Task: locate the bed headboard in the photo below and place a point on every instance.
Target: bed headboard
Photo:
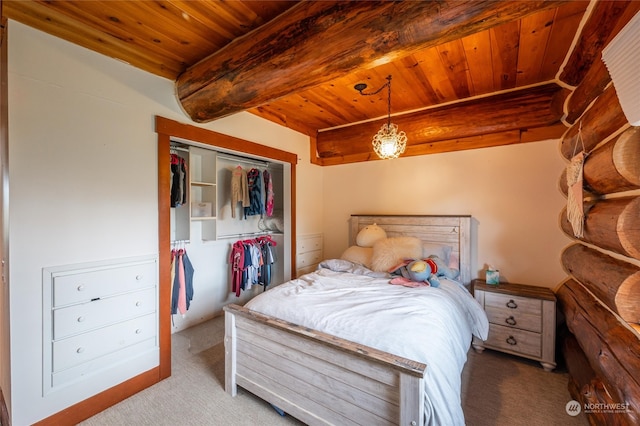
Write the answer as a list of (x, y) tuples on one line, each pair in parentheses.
[(454, 231)]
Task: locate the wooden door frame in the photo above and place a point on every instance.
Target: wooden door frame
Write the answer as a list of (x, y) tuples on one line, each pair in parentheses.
[(167, 129)]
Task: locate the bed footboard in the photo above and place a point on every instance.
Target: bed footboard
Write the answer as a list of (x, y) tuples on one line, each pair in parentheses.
[(319, 378)]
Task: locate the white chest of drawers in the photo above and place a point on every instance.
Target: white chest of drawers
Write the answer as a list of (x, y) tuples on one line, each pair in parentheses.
[(308, 253), (522, 320), (99, 319)]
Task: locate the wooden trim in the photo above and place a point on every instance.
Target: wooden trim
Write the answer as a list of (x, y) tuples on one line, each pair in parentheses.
[(528, 291), (164, 245), (99, 402), (4, 411), (313, 151), (198, 134)]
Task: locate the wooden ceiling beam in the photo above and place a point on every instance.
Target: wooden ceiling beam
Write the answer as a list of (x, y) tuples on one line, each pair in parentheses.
[(476, 121), (315, 42)]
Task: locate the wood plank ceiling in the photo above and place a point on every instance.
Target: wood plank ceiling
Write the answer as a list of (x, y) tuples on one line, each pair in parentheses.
[(486, 76)]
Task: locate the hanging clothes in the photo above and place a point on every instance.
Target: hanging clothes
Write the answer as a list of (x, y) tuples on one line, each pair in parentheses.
[(251, 262), (236, 260), (239, 189), (182, 282), (268, 259), (178, 181), (254, 183), (268, 193)]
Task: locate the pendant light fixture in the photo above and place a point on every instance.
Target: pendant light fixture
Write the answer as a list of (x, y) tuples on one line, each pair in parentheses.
[(388, 142)]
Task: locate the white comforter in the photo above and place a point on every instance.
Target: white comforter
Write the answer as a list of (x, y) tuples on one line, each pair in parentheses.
[(426, 324)]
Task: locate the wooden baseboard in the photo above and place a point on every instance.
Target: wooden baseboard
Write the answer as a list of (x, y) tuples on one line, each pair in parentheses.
[(97, 403), (4, 411)]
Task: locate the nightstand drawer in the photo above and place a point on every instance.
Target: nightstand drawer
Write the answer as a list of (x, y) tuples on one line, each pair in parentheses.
[(514, 318), (513, 303), (514, 340)]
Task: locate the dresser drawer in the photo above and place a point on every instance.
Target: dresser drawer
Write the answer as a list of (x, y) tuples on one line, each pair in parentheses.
[(87, 346), (514, 340), (513, 303), (310, 258), (515, 318), (98, 313), (84, 286), (309, 243)]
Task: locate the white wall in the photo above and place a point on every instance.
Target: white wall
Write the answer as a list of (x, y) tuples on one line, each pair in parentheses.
[(510, 191), (83, 180)]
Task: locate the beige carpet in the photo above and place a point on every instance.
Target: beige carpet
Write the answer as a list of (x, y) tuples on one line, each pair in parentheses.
[(497, 390)]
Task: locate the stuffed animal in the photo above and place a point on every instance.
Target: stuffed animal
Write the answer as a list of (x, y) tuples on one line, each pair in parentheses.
[(423, 271), (362, 253), (443, 270), (368, 235)]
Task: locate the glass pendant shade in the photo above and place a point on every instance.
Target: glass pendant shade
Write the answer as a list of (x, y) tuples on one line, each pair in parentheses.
[(388, 142)]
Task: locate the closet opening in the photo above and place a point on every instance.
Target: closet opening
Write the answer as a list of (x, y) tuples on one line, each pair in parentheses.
[(198, 214)]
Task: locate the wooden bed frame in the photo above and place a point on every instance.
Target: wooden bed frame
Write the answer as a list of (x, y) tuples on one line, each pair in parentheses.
[(323, 379)]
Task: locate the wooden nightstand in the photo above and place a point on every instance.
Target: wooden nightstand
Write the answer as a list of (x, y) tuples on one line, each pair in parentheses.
[(522, 320)]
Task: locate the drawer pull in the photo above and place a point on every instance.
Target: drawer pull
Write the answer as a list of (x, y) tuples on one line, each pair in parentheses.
[(139, 277), (80, 319), (511, 340), (138, 303), (138, 331), (511, 320), (511, 304), (81, 287), (80, 350)]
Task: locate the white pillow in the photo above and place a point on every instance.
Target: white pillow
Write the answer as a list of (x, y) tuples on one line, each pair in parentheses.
[(359, 255), (389, 252), (443, 251)]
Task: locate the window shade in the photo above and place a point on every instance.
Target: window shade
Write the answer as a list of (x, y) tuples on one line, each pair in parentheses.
[(622, 59)]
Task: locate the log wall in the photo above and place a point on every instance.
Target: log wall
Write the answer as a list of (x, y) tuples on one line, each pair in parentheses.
[(601, 297)]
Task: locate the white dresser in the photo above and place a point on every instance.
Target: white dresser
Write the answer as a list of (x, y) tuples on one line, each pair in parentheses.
[(98, 317), (308, 253)]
